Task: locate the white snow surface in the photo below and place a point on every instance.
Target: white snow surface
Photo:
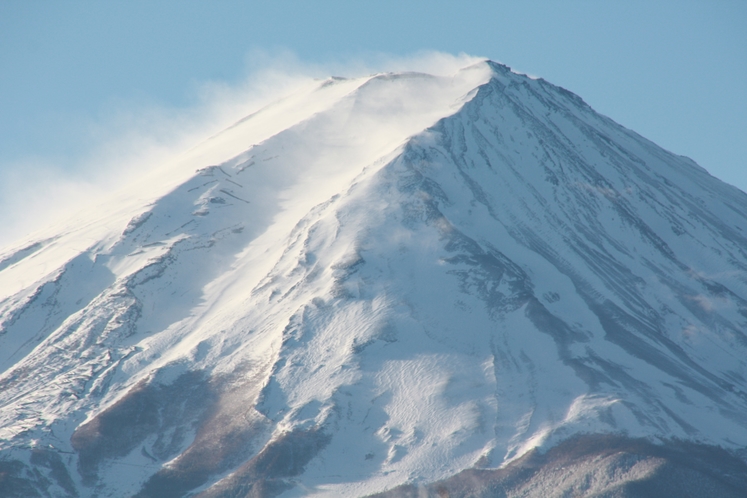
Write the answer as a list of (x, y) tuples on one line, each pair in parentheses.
[(431, 272)]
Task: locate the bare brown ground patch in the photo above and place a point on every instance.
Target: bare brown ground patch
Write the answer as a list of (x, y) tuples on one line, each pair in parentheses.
[(600, 466)]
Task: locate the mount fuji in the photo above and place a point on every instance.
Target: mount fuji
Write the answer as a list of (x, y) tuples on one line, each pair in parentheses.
[(397, 285)]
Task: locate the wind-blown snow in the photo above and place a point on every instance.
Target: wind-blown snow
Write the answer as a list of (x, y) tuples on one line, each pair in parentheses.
[(400, 277)]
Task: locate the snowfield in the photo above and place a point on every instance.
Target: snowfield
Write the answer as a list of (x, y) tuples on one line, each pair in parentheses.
[(378, 282)]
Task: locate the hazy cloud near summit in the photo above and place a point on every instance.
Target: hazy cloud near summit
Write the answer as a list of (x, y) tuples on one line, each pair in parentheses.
[(133, 138)]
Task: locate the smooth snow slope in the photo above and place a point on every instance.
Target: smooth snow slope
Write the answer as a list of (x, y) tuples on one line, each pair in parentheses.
[(374, 282)]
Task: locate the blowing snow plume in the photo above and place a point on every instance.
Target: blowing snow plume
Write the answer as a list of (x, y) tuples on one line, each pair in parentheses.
[(402, 283), (132, 139)]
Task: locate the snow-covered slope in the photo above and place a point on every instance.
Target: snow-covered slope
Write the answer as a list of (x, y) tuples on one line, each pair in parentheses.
[(375, 282)]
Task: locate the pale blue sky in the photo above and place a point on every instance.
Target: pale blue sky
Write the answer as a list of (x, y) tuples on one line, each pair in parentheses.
[(673, 70)]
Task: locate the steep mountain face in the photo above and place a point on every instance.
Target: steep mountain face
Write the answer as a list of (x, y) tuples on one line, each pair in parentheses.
[(380, 283)]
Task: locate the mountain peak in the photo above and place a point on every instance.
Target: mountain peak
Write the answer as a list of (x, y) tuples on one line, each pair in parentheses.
[(394, 279)]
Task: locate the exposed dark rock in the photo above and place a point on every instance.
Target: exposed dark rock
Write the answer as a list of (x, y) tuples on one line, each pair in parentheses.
[(56, 469), (149, 408), (16, 481), (264, 475)]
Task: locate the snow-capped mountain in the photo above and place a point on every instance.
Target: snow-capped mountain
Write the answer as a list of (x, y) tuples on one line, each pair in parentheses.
[(378, 283)]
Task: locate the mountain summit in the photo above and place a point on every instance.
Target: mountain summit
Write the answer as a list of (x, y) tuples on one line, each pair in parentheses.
[(395, 284)]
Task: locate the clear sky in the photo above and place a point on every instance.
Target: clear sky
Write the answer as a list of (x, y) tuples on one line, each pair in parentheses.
[(73, 74)]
